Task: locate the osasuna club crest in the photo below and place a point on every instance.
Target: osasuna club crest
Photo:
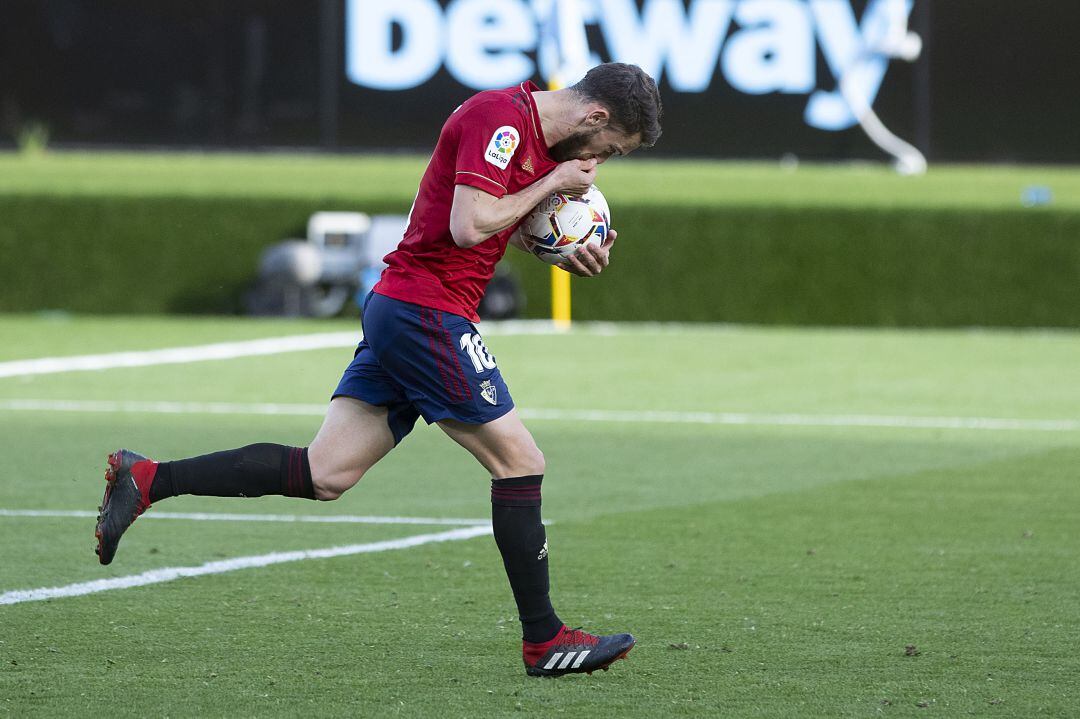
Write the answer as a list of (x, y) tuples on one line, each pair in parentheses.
[(489, 392)]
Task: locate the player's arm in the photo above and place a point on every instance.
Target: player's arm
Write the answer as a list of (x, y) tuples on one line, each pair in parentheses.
[(477, 215), (516, 240)]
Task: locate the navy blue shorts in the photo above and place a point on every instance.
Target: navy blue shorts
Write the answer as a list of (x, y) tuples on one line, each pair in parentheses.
[(420, 362)]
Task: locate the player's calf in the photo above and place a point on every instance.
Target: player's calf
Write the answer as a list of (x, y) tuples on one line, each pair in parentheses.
[(134, 483)]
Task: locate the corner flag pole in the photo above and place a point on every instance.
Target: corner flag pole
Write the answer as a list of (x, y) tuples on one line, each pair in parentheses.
[(565, 55), (560, 298), (560, 278)]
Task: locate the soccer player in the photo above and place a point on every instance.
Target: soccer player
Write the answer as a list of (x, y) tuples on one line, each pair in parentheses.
[(499, 154)]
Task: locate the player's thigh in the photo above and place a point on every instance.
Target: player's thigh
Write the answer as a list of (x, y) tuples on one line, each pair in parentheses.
[(503, 446), (353, 437)]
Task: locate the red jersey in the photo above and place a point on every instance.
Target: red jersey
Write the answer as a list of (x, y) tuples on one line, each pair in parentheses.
[(493, 142)]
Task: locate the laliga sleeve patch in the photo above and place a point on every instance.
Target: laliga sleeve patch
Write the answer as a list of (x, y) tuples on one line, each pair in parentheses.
[(501, 148)]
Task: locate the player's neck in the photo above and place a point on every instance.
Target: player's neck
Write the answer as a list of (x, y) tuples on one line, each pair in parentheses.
[(558, 114)]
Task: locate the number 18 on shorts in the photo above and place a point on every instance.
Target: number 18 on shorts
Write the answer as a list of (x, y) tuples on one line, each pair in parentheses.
[(422, 362)]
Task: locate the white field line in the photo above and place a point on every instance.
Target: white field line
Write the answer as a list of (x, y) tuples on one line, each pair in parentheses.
[(248, 348), (123, 407), (807, 420), (168, 574), (232, 517), (574, 415), (180, 355)]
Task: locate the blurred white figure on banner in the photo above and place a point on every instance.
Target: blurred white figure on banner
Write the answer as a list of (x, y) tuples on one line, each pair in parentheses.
[(563, 53), (885, 36)]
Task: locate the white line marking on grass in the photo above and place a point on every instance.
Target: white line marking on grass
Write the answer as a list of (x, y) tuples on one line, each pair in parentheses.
[(574, 415), (180, 355), (168, 574), (232, 517), (247, 348), (806, 420), (108, 407)]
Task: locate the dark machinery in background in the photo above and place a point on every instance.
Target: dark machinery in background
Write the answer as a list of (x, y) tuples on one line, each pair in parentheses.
[(338, 264)]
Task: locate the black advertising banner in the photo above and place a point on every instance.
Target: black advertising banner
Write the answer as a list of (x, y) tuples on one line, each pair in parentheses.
[(995, 80), (740, 77)]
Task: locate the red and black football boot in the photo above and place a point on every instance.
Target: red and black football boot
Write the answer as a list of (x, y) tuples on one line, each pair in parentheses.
[(573, 651), (127, 495)]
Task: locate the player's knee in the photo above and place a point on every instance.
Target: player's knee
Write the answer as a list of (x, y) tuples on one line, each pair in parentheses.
[(326, 494), (532, 462), (332, 486), (521, 462)]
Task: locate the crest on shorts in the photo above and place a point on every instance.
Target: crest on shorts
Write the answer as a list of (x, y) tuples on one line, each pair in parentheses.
[(489, 392)]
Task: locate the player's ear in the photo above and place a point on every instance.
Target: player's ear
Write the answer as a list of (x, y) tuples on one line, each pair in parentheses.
[(597, 116)]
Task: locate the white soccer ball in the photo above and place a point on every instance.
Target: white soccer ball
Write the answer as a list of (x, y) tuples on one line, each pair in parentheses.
[(561, 224)]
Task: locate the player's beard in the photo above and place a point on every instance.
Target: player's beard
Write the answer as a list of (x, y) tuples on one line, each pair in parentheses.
[(570, 148)]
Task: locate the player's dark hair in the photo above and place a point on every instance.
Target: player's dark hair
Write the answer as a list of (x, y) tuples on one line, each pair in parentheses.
[(629, 94)]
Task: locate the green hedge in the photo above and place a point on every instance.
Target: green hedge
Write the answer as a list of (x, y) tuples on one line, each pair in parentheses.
[(140, 255), (838, 267), (822, 266)]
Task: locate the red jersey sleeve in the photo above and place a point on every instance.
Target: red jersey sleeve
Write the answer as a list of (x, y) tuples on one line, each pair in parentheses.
[(489, 133)]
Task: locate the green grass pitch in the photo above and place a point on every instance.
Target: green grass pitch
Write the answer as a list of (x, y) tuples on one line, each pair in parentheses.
[(767, 569)]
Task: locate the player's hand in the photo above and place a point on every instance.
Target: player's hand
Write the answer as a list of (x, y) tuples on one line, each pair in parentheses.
[(590, 260), (574, 177)]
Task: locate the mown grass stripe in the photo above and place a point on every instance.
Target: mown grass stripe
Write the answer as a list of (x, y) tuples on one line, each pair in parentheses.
[(234, 517)]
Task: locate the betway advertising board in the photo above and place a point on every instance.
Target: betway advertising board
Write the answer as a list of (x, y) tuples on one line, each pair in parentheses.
[(739, 77)]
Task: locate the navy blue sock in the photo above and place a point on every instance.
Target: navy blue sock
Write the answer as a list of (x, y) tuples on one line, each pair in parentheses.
[(519, 533), (251, 471)]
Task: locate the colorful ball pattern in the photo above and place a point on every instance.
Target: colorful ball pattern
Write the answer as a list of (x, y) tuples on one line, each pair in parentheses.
[(561, 224)]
